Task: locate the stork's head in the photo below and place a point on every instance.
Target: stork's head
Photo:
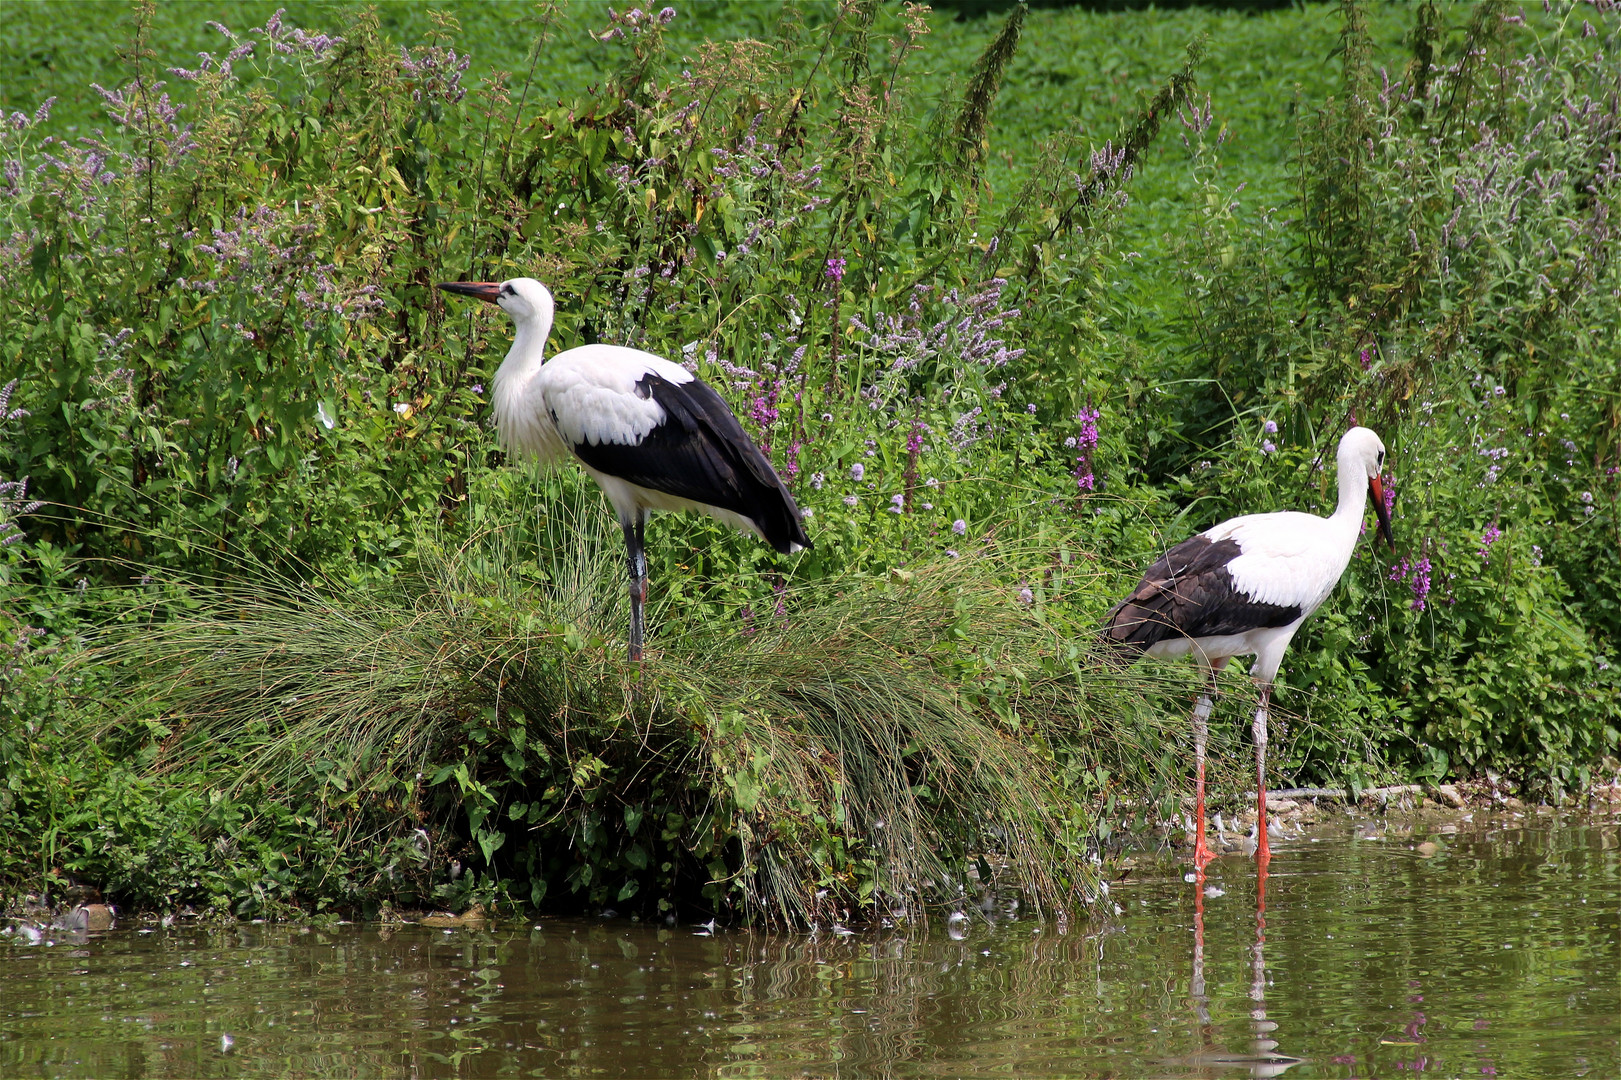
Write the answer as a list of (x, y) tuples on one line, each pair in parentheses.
[(525, 299), (1362, 452)]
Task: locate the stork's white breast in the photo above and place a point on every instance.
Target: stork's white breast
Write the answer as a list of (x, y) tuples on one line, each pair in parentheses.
[(590, 393)]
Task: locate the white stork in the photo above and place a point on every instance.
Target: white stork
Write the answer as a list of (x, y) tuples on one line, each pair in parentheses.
[(1243, 588), (651, 433)]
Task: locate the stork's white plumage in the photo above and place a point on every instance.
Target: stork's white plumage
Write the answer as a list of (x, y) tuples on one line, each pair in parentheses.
[(651, 433), (1242, 589)]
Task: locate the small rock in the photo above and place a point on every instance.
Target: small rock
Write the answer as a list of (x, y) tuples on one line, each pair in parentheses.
[(473, 917), (1450, 795), (1428, 849), (1276, 805), (98, 917)]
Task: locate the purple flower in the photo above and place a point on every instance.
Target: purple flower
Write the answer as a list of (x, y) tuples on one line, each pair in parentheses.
[(1085, 442), (1271, 427), (959, 526), (1488, 538), (850, 500), (1267, 447), (1026, 596), (857, 471), (897, 504), (1420, 583), (478, 388), (834, 271)]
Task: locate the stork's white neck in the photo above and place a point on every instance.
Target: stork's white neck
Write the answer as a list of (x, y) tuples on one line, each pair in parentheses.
[(1353, 501), (528, 351)]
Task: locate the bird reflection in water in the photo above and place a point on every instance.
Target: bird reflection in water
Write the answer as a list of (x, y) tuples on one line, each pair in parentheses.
[(1262, 1059)]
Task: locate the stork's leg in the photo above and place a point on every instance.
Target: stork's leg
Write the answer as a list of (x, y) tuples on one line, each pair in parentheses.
[(636, 556), (1201, 741), (1263, 851)]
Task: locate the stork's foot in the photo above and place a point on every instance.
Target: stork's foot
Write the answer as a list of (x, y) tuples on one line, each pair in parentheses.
[(1202, 855)]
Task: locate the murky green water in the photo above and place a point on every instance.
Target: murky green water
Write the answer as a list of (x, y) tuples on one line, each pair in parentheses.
[(1498, 956)]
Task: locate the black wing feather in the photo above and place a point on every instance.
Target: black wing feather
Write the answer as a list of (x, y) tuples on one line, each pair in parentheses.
[(1190, 593), (700, 452)]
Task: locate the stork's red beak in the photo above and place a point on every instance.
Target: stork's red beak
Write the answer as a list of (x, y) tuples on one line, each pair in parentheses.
[(484, 290), (1377, 490)]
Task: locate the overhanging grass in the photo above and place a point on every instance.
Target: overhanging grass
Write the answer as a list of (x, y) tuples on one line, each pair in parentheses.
[(880, 745)]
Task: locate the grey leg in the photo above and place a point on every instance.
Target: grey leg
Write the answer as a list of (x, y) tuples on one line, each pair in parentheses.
[(636, 556)]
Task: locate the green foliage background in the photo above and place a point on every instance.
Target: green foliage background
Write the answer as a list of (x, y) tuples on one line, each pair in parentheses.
[(1014, 303)]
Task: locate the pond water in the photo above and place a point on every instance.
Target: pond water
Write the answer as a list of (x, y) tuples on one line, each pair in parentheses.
[(1496, 954)]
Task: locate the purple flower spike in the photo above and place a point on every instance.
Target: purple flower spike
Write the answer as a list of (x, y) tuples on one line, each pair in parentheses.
[(834, 271)]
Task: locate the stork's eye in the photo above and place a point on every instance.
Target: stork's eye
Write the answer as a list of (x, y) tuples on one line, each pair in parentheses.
[(508, 290), (1381, 457)]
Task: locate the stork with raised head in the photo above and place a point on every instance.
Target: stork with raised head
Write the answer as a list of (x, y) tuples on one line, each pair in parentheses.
[(1242, 589), (650, 432)]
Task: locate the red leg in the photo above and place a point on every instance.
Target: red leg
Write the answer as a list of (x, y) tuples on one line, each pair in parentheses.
[(1201, 737)]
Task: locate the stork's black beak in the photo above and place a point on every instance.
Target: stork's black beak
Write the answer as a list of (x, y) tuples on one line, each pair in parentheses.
[(488, 291), (1377, 490)]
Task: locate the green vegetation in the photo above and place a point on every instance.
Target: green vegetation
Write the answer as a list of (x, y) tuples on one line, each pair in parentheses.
[(1011, 303)]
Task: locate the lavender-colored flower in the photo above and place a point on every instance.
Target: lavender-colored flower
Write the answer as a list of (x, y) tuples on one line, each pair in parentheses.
[(1026, 596), (1270, 427), (897, 504), (478, 388), (834, 270), (1268, 447), (959, 526), (850, 500), (857, 471), (1488, 538)]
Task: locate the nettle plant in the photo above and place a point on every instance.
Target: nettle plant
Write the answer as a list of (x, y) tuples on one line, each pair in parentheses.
[(200, 299)]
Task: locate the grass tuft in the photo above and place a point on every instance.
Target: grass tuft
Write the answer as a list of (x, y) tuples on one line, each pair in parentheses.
[(880, 745)]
